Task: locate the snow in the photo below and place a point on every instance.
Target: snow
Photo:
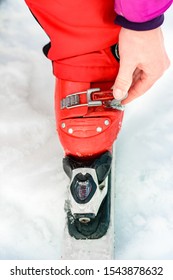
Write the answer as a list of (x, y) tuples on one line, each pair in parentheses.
[(32, 182)]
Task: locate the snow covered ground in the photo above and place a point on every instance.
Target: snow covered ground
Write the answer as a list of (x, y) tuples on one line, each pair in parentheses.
[(32, 182)]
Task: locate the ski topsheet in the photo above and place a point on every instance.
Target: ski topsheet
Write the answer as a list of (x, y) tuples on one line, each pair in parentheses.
[(100, 249)]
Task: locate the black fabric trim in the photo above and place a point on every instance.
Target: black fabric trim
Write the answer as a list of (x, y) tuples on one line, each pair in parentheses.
[(46, 49), (140, 26)]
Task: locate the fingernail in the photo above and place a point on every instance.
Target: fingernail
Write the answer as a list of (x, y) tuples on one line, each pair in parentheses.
[(119, 94)]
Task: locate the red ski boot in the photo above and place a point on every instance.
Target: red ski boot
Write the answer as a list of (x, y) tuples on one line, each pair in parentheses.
[(88, 121)]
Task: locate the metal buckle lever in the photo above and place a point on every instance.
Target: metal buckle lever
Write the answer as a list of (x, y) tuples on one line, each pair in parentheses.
[(93, 103), (116, 104)]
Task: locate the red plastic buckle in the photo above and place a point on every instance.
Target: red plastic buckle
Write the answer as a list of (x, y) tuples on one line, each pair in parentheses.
[(102, 95)]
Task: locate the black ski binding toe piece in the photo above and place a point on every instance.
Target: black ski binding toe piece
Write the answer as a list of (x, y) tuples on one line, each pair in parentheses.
[(89, 203)]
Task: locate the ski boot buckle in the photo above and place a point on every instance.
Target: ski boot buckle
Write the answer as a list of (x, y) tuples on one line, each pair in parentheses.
[(94, 98)]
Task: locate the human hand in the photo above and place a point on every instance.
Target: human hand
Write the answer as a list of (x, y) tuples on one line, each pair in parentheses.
[(143, 60)]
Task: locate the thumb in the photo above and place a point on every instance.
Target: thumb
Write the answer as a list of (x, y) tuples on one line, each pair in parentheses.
[(123, 81)]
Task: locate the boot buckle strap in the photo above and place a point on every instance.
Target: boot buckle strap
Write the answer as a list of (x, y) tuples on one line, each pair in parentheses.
[(73, 100), (94, 98)]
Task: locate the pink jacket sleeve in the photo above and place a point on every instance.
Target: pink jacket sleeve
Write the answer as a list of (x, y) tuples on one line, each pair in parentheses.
[(141, 10)]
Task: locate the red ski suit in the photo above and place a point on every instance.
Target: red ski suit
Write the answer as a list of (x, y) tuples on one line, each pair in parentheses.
[(81, 36)]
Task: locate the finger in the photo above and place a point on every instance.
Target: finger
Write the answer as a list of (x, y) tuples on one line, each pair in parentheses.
[(136, 76), (123, 81), (142, 84)]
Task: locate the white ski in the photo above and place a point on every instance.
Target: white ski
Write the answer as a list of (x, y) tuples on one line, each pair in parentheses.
[(95, 249)]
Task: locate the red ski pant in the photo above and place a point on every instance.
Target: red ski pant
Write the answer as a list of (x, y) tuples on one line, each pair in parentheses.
[(81, 35)]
